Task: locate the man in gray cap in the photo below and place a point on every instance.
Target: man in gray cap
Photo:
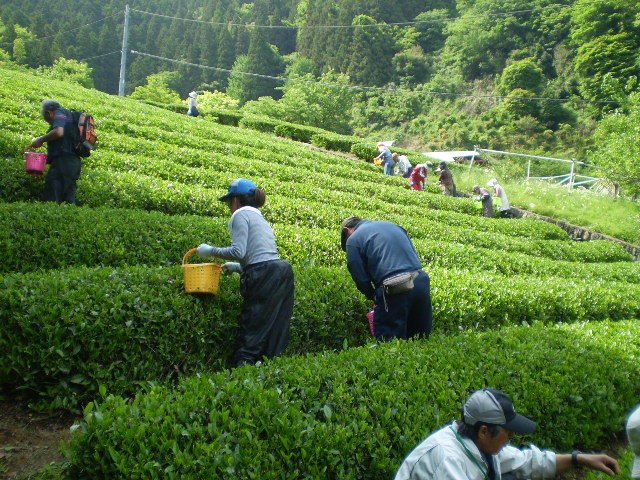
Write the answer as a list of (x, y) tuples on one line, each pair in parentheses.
[(476, 447), (633, 434)]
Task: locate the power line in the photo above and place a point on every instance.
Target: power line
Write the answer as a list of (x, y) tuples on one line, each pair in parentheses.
[(74, 29), (380, 89), (415, 22), (98, 56)]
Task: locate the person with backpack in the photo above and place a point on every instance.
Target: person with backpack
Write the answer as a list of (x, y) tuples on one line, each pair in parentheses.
[(65, 164), (266, 281)]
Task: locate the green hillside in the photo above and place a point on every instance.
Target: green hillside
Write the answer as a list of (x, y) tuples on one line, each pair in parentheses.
[(93, 312)]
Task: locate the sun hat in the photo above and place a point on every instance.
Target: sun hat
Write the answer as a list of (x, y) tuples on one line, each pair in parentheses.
[(494, 407), (492, 183), (633, 434), (240, 186), (348, 223), (193, 94)]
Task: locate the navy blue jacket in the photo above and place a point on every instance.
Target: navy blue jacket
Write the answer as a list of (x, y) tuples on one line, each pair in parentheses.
[(64, 145), (377, 250)]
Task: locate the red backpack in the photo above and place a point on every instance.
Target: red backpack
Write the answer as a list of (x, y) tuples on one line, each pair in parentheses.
[(84, 137)]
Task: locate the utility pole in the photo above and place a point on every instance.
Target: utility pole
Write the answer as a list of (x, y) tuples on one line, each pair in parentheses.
[(123, 57)]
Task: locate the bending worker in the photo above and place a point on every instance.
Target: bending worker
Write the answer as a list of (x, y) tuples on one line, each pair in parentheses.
[(385, 266)]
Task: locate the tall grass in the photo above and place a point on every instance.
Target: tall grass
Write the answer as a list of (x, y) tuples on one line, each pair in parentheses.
[(617, 217)]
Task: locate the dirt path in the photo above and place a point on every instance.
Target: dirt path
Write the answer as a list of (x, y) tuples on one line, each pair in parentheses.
[(30, 440)]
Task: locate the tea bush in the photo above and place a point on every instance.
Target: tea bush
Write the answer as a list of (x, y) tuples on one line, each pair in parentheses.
[(99, 301), (261, 124), (364, 151), (47, 236), (295, 132), (337, 143), (357, 413), (65, 332)]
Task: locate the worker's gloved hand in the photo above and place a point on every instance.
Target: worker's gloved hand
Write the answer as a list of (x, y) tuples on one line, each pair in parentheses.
[(231, 267), (204, 250)]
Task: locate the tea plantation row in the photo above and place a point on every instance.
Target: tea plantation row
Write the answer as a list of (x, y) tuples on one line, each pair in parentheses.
[(357, 413), (65, 332), (47, 236), (128, 190)]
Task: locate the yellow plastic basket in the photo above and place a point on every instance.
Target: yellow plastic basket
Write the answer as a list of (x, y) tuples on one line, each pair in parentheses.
[(201, 277)]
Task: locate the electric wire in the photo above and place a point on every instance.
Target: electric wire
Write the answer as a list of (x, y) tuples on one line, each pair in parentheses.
[(98, 56), (380, 89), (409, 23), (76, 28)]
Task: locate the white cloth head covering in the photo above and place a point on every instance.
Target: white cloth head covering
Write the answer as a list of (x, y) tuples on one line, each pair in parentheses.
[(633, 434)]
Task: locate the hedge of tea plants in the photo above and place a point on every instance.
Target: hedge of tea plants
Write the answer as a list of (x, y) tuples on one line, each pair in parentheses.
[(67, 331), (37, 236), (357, 413), (149, 193)]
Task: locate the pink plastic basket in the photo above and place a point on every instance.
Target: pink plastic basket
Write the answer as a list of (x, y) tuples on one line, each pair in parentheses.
[(36, 162)]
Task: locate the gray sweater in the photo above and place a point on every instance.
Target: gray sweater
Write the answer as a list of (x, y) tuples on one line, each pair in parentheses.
[(252, 239)]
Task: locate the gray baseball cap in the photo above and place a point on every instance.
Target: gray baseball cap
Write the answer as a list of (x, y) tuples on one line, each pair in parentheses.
[(494, 407), (633, 434)]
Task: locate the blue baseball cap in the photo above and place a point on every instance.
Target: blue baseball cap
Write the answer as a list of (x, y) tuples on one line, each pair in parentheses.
[(240, 186)]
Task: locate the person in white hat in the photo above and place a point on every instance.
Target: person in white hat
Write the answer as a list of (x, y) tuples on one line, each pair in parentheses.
[(633, 434), (505, 206), (193, 104), (476, 447)]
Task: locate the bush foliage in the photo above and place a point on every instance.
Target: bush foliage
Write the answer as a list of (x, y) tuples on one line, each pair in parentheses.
[(314, 419), (92, 301)]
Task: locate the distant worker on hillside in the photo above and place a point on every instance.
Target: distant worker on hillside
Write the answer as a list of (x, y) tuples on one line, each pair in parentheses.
[(505, 206), (65, 165), (476, 447), (266, 281), (193, 104), (446, 180), (485, 197), (386, 158), (404, 165), (386, 268), (418, 177)]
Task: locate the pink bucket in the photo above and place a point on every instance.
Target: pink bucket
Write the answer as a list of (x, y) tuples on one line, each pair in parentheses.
[(370, 318), (36, 162)]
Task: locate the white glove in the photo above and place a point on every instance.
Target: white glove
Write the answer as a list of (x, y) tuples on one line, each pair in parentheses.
[(232, 267), (204, 250)]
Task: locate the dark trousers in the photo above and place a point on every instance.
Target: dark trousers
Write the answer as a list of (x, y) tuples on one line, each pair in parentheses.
[(406, 314), (267, 289), (60, 184)]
